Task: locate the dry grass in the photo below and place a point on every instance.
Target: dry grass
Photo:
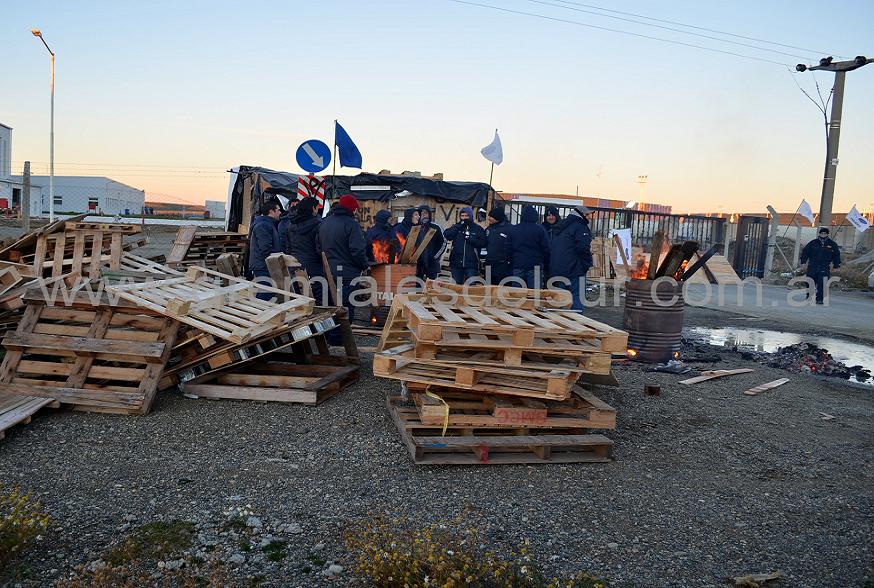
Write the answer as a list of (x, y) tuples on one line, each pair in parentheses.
[(22, 520)]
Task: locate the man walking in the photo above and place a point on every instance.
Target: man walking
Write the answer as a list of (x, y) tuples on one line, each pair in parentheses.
[(530, 248), (264, 241), (428, 265), (467, 239), (499, 247), (820, 255), (342, 241), (570, 255)]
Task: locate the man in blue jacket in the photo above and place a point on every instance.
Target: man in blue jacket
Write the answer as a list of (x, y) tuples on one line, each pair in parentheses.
[(530, 248), (302, 242), (467, 239), (821, 255), (551, 221), (570, 256), (342, 241), (428, 265), (264, 241), (499, 247), (410, 220), (382, 231)]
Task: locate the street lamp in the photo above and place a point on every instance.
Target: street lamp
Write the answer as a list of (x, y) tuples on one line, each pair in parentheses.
[(37, 33)]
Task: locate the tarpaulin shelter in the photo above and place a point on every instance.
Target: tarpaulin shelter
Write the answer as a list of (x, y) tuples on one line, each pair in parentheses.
[(249, 186)]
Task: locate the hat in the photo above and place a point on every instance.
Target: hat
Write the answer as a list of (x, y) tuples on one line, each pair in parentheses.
[(349, 202), (468, 210), (498, 214), (307, 206), (583, 209), (823, 230)]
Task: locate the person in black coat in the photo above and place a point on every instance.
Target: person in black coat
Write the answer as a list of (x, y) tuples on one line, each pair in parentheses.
[(570, 255), (382, 231), (821, 255), (264, 241), (530, 248), (551, 221), (403, 228), (499, 247), (428, 265), (467, 239), (342, 241), (301, 239)]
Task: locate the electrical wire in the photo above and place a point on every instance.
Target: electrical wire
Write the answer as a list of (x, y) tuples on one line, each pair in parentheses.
[(619, 31)]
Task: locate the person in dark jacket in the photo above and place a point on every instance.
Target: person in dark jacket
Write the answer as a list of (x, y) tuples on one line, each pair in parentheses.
[(382, 231), (428, 265), (264, 241), (570, 255), (282, 228), (342, 241), (551, 221), (499, 247), (530, 248), (403, 228), (467, 239), (821, 255), (302, 242)]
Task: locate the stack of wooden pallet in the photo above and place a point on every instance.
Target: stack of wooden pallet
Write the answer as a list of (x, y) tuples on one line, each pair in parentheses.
[(493, 376), (202, 248)]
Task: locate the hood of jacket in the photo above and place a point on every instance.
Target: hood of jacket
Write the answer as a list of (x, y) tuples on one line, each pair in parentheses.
[(305, 225), (553, 210), (408, 217), (382, 217), (529, 214), (262, 219)]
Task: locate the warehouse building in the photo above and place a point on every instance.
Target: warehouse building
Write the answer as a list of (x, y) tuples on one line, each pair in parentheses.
[(91, 194)]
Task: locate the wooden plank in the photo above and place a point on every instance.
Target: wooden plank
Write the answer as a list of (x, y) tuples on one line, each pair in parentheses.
[(709, 375), (767, 386), (654, 254), (83, 345), (181, 244)]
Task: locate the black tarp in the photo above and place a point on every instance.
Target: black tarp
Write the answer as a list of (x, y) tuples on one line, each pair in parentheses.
[(256, 182)]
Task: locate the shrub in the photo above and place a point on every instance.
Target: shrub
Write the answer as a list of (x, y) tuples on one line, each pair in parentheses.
[(397, 554), (21, 521)]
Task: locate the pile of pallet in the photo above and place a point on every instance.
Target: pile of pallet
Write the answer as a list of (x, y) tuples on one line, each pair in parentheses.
[(493, 376), (203, 248)]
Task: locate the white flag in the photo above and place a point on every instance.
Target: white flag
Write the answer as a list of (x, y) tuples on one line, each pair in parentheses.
[(805, 211), (860, 222), (493, 151)]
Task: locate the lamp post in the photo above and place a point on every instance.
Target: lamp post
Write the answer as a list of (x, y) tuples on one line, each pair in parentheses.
[(37, 33)]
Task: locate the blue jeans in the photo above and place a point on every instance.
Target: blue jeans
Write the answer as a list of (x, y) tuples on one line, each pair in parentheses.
[(461, 274), (531, 281), (577, 288)]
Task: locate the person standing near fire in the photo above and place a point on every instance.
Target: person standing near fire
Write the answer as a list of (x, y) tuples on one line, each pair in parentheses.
[(342, 241), (302, 242), (467, 239), (383, 234), (570, 255), (820, 255), (403, 228), (428, 265), (499, 247), (264, 241)]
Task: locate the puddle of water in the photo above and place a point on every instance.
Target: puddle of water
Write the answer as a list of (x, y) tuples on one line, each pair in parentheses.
[(767, 341)]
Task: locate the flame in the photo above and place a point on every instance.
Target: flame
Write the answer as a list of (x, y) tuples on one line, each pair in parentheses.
[(676, 354), (383, 251), (373, 319), (631, 352), (402, 239)]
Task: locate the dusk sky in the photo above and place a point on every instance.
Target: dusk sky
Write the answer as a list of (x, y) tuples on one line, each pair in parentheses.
[(166, 96)]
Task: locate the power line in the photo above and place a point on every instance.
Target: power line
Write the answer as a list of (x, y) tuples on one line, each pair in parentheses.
[(700, 28), (667, 28), (619, 31)]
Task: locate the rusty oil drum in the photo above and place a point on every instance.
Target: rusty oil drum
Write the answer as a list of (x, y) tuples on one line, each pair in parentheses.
[(654, 323)]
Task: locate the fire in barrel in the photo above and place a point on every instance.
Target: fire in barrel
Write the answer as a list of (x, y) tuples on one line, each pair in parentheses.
[(394, 270)]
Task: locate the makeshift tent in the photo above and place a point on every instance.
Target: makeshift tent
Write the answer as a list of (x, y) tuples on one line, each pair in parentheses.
[(250, 185)]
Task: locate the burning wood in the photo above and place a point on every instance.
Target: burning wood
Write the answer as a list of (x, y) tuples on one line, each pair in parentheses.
[(386, 250)]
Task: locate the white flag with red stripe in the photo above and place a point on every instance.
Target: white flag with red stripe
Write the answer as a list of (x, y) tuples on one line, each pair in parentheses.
[(311, 186)]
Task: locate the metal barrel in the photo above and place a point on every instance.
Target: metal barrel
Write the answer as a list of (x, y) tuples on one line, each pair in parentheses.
[(653, 319)]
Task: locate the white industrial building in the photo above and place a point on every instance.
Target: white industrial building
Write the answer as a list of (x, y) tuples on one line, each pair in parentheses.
[(10, 187), (94, 194)]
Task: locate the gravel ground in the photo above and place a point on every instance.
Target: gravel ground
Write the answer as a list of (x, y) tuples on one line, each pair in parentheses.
[(707, 483)]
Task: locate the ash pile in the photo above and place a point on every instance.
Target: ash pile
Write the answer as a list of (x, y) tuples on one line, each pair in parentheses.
[(807, 358)]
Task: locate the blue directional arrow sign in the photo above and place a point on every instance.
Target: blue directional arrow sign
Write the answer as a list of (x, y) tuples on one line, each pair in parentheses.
[(313, 156)]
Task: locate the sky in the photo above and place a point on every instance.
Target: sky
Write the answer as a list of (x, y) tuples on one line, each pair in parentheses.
[(167, 96)]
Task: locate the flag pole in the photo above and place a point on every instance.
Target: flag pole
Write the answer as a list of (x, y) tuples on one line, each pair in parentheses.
[(334, 168), (491, 203)]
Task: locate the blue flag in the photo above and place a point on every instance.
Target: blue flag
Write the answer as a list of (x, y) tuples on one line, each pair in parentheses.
[(350, 156)]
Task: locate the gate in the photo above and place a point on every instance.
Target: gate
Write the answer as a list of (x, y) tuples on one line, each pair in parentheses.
[(751, 247)]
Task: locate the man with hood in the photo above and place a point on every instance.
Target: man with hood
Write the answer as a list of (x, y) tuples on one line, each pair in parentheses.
[(499, 247), (551, 221), (342, 241), (467, 239), (301, 240), (429, 262), (570, 255), (820, 255), (403, 228), (530, 248), (381, 231), (264, 241)]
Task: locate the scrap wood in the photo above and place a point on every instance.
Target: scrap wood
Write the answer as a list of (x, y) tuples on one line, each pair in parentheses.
[(181, 244), (756, 580), (410, 244), (420, 248), (764, 387), (710, 375), (654, 254)]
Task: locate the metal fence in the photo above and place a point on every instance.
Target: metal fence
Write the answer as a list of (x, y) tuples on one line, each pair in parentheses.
[(707, 231)]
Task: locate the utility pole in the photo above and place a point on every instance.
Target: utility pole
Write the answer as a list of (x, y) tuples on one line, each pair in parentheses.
[(833, 130), (25, 198)]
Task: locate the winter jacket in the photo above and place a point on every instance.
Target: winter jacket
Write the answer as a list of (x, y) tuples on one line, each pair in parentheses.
[(429, 262), (818, 254), (499, 246), (530, 242), (380, 231), (467, 239), (551, 229), (282, 229), (302, 237), (570, 253), (263, 240), (404, 227), (342, 241)]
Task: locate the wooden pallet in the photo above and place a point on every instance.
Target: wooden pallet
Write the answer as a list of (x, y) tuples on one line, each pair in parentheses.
[(83, 250), (104, 359), (181, 244), (277, 381), (18, 410), (555, 385), (462, 409), (432, 322), (395, 331), (495, 446), (501, 296), (229, 312), (206, 247)]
